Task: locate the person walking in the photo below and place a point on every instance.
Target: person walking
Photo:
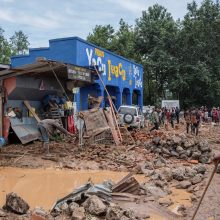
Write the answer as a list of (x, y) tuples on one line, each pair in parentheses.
[(187, 120), (177, 112), (155, 120), (172, 118)]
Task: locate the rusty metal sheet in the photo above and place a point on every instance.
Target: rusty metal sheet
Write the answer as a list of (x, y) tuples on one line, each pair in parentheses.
[(26, 130), (127, 185)]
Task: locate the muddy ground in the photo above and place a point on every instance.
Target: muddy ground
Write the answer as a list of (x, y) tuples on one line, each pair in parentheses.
[(69, 165)]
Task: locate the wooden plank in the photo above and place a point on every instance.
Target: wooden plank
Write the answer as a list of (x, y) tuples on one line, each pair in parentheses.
[(27, 104), (112, 127)]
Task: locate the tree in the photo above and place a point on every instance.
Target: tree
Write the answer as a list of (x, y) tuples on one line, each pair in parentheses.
[(19, 43), (123, 42), (198, 52), (102, 36), (155, 45), (5, 50)]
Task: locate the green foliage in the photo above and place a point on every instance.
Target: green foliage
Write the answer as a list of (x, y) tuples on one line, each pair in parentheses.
[(18, 44), (182, 57), (5, 51)]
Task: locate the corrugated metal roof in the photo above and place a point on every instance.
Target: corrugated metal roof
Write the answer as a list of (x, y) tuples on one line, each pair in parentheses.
[(42, 66), (36, 67)]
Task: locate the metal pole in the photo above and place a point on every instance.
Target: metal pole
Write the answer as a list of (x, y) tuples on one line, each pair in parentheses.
[(200, 201)]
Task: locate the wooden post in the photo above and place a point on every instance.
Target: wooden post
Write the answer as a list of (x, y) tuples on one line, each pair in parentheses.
[(111, 104), (1, 108)]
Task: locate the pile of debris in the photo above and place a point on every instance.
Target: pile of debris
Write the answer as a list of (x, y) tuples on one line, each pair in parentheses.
[(87, 202), (181, 147), (142, 135)]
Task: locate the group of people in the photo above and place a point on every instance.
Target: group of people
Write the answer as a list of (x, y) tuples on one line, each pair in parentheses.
[(209, 115), (193, 117), (160, 116)]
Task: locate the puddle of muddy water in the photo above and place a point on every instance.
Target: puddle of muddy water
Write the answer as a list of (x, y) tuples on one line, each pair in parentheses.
[(43, 187), (179, 197)]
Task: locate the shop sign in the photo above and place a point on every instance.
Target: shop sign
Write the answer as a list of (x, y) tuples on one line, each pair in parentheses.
[(79, 73)]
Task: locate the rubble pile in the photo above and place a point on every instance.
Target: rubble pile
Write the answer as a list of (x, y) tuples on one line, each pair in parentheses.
[(143, 136), (181, 147)]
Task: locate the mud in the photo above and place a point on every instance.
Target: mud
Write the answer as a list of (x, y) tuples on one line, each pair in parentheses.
[(43, 187)]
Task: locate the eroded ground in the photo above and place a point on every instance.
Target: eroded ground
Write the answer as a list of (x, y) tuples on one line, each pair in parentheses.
[(42, 179)]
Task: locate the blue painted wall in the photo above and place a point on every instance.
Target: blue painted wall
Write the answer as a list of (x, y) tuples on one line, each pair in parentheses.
[(118, 73)]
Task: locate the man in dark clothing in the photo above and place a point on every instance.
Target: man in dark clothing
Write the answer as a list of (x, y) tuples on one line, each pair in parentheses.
[(47, 128), (172, 118), (177, 112)]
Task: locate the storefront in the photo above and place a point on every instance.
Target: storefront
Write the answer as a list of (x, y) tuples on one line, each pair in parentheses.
[(39, 90), (122, 77)]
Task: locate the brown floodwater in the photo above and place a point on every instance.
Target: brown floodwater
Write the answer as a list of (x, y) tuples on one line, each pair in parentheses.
[(43, 187)]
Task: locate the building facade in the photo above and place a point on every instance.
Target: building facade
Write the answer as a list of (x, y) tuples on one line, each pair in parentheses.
[(123, 78)]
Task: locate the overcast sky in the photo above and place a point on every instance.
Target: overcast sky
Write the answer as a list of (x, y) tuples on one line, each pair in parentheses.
[(42, 20)]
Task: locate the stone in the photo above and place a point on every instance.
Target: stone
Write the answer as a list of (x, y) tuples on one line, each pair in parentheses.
[(160, 183), (156, 140), (189, 153), (204, 159), (197, 179), (184, 184), (177, 140), (194, 148), (138, 142), (95, 206), (165, 151), (152, 190), (79, 214), (200, 168), (179, 174), (73, 206), (114, 213), (183, 156), (157, 150), (166, 174), (165, 201), (179, 149), (129, 213), (124, 217), (16, 204), (148, 165), (189, 172), (2, 213), (204, 146), (38, 214), (160, 162), (174, 153), (64, 207), (187, 144), (196, 155)]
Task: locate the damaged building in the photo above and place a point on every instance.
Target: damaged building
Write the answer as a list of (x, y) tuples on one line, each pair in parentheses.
[(58, 81)]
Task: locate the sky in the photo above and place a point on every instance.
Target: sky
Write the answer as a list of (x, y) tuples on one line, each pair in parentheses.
[(42, 20)]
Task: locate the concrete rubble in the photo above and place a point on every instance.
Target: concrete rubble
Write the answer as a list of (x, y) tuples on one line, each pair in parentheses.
[(15, 204), (180, 147)]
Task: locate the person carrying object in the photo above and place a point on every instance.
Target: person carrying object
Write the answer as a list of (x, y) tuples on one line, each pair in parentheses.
[(47, 128)]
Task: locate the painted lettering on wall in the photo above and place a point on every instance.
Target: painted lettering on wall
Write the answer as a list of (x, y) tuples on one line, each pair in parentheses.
[(96, 61), (99, 53), (137, 77), (116, 71)]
